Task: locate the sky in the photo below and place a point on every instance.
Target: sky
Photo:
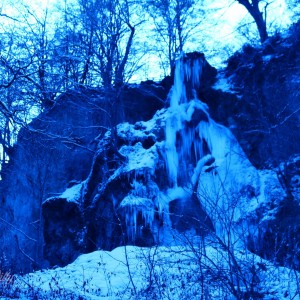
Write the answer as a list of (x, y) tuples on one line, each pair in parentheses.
[(223, 34), (226, 30), (218, 36)]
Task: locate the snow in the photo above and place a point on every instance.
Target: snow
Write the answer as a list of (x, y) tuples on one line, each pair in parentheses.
[(267, 58), (186, 271), (139, 158), (131, 200), (131, 133), (223, 83), (72, 194)]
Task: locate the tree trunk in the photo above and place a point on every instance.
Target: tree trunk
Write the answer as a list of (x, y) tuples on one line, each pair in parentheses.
[(119, 79), (257, 15)]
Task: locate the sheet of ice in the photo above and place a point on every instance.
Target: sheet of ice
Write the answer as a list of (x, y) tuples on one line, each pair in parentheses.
[(173, 125), (180, 151), (180, 138), (178, 90), (186, 70), (232, 189)]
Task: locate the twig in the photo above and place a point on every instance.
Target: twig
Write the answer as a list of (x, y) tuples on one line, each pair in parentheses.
[(17, 229)]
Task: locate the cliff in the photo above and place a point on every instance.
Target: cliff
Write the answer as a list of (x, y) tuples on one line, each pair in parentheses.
[(218, 156)]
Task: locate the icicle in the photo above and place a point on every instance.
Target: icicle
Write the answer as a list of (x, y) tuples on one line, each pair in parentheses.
[(178, 90), (133, 206), (197, 72)]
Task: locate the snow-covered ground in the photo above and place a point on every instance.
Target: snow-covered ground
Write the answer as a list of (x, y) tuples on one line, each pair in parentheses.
[(186, 271)]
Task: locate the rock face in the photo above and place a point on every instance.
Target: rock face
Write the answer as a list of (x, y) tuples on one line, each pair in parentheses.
[(262, 106), (63, 220), (56, 151), (286, 223), (262, 110)]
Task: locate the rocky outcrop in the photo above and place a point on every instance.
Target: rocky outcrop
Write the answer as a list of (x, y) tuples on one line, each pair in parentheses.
[(121, 198), (289, 174), (56, 150), (180, 172), (262, 105), (65, 236)]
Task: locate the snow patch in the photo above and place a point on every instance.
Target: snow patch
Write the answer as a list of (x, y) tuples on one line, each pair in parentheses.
[(72, 194), (139, 158), (166, 272), (223, 83)]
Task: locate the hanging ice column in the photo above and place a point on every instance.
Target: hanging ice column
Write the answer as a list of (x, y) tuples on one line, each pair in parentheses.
[(186, 141), (188, 72)]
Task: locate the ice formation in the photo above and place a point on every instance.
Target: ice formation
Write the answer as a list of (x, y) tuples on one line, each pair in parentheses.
[(185, 151), (199, 157), (183, 143), (182, 168), (180, 172)]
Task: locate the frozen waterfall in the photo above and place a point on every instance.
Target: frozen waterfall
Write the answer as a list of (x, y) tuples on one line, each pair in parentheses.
[(184, 152), (186, 143), (183, 181)]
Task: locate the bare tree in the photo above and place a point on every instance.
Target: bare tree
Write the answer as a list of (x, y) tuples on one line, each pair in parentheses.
[(15, 65), (175, 22), (111, 31), (73, 48), (294, 7), (259, 16)]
